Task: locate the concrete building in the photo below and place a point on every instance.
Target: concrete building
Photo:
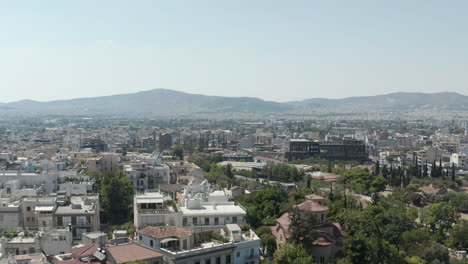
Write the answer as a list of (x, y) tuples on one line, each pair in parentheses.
[(21, 245), (211, 212), (165, 141), (79, 213), (56, 241), (151, 208), (110, 162), (38, 212), (148, 174), (11, 214), (460, 160)]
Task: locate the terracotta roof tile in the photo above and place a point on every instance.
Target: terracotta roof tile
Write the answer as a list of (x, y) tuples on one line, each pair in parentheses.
[(131, 252), (83, 251), (166, 232), (311, 206)]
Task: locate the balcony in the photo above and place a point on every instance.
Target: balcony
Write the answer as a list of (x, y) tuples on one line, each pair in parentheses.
[(252, 257)]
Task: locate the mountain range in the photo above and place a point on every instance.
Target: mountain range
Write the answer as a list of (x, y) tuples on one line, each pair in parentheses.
[(164, 102)]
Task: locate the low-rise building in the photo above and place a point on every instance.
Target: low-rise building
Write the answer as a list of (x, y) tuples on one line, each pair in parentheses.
[(79, 213), (133, 252), (56, 241)]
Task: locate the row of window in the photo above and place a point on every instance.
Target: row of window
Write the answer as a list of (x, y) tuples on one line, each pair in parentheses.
[(217, 260), (207, 220)]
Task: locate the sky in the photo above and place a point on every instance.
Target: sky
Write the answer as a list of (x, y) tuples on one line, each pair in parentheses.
[(274, 50)]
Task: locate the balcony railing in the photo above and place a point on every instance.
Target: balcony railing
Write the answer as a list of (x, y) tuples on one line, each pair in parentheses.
[(252, 257)]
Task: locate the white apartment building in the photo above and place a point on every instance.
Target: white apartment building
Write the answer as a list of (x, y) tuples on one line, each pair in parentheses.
[(460, 160), (151, 208), (202, 212), (147, 174)]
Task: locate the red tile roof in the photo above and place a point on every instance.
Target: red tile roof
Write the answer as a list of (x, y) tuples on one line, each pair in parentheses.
[(311, 206), (283, 223), (131, 252), (83, 251), (75, 261), (166, 232)]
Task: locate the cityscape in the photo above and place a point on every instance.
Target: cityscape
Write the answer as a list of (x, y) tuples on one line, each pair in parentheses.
[(233, 132)]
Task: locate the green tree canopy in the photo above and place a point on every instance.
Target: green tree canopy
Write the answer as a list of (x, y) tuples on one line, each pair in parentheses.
[(292, 254), (116, 194)]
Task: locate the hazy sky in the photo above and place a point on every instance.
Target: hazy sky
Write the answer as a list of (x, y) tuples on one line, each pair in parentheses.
[(275, 50)]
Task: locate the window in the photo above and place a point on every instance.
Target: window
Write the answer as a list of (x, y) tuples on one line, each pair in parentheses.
[(28, 208), (207, 261), (234, 219), (141, 238), (238, 254), (322, 259), (216, 221), (185, 221), (228, 259), (322, 217), (151, 243), (194, 221), (218, 260), (207, 221)]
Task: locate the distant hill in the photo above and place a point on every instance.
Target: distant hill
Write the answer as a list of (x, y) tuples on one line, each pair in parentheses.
[(169, 103), (157, 102), (393, 101)]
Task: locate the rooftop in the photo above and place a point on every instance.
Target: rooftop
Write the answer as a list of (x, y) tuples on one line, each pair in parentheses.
[(166, 232), (131, 252), (214, 210)]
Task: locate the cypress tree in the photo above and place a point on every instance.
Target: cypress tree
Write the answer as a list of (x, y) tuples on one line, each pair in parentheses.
[(425, 175), (453, 172)]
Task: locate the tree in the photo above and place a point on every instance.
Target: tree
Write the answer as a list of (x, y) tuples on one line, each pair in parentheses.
[(458, 236), (453, 172), (377, 168), (440, 217), (302, 227), (229, 171), (116, 194), (425, 175), (267, 240), (178, 152), (436, 253), (292, 254), (414, 242), (378, 184)]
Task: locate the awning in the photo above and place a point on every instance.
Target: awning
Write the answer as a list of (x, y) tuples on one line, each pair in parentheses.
[(168, 240)]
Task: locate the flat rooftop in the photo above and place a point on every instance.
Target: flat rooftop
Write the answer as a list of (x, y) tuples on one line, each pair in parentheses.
[(214, 211)]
